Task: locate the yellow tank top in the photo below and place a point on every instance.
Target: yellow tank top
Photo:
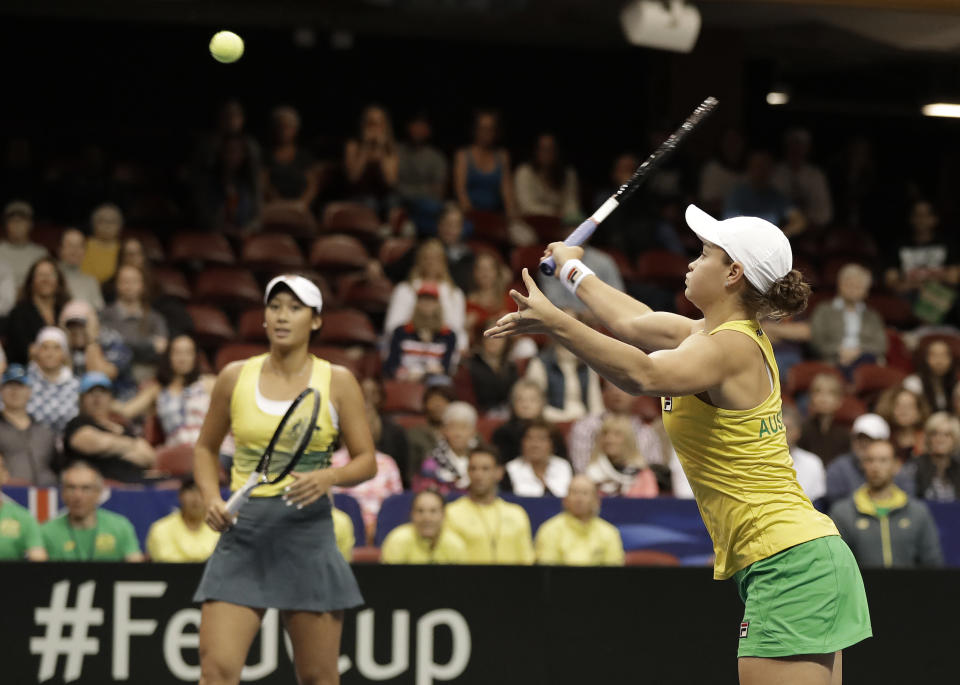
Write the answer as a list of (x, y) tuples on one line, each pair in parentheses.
[(253, 428), (741, 473)]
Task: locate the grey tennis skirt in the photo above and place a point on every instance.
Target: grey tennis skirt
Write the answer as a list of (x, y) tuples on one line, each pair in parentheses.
[(280, 557)]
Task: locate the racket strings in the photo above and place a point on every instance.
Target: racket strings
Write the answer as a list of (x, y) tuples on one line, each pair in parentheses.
[(294, 435)]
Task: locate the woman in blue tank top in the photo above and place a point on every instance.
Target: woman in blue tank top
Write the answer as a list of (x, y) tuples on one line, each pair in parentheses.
[(482, 177)]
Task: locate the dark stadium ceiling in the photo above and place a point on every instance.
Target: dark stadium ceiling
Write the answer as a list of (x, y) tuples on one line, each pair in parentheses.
[(814, 30)]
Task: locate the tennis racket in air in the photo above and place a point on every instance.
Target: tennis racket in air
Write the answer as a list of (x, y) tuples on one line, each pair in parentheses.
[(583, 232), (287, 445)]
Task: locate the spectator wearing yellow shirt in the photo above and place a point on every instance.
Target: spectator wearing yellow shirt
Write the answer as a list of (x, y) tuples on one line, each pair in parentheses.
[(494, 531), (182, 536), (103, 247), (343, 532), (577, 536), (424, 540)]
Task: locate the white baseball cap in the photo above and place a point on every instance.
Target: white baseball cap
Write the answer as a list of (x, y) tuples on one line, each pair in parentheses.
[(871, 425), (305, 290), (762, 248)]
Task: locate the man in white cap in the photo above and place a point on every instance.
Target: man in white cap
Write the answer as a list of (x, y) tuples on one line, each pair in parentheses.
[(845, 473), (53, 401), (722, 411)]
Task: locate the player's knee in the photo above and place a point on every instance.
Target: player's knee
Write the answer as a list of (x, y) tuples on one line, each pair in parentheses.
[(318, 676), (215, 672)]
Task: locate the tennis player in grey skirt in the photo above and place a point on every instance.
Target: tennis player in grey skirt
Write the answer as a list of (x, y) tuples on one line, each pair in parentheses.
[(280, 552)]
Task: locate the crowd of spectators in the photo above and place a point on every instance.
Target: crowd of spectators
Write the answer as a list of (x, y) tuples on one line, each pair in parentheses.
[(112, 335)]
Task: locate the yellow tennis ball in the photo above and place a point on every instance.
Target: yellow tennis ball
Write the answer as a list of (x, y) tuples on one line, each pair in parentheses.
[(226, 46)]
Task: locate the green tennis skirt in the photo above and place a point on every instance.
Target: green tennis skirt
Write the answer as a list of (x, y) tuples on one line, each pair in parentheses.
[(280, 557), (807, 599)]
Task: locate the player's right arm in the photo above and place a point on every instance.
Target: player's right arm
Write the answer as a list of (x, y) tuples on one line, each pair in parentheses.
[(627, 319), (206, 453)]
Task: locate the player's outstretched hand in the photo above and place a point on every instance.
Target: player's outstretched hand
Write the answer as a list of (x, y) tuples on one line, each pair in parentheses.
[(535, 313), (218, 517), (309, 487), (561, 252)]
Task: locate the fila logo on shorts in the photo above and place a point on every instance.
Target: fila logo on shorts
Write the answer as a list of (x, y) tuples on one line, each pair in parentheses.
[(667, 404), (744, 629)]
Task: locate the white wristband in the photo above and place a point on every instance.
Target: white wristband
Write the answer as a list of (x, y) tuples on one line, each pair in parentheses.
[(572, 273)]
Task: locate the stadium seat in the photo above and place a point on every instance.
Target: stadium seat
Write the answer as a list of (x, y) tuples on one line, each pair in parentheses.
[(287, 217), (463, 385), (849, 410), (869, 380), (250, 326), (152, 248), (895, 310), (271, 251), (341, 355), (233, 287), (394, 249), (366, 555), (177, 461), (170, 282), (660, 267), (152, 430), (210, 325), (345, 327), (402, 396), (685, 307), (898, 354), (626, 267), (800, 375), (549, 228), (208, 248), (486, 425), (353, 219), (649, 557), (527, 256), (338, 252), (368, 295), (410, 420), (489, 226), (232, 352)]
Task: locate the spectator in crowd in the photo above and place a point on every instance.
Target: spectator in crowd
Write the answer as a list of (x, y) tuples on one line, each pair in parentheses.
[(460, 256), (723, 172), (423, 439), (231, 121), (578, 536), (547, 185), (906, 412), (494, 531), (290, 175), (392, 439), (371, 493), (855, 186), (938, 469), (602, 265), (488, 297), (82, 286), (182, 536), (93, 348), (820, 433), (883, 525), (425, 346), (41, 300), (936, 375), (143, 329), (482, 177), (230, 195), (616, 402), (425, 540), (371, 162), (845, 331), (20, 536), (100, 258), (492, 372), (343, 532), (180, 396), (422, 174), (804, 183), (445, 469), (86, 532), (617, 466), (757, 196), (29, 448), (94, 437), (537, 472), (572, 388), (925, 266), (845, 473), (17, 253), (430, 265), (809, 467), (527, 403), (54, 389)]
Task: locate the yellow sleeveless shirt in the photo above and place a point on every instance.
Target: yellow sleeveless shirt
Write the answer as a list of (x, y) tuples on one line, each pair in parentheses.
[(253, 428), (741, 472)]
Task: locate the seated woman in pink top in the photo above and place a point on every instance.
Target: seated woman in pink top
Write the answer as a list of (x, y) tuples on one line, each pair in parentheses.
[(616, 465)]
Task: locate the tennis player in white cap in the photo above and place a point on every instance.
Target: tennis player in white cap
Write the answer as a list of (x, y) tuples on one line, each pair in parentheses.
[(720, 388)]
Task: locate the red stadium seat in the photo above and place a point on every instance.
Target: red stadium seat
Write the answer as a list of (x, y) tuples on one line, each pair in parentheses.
[(402, 396), (208, 248), (660, 267), (685, 307), (393, 249), (368, 295), (801, 375), (849, 410), (289, 218), (463, 385), (353, 219), (232, 287), (411, 420), (486, 426), (210, 325), (271, 251), (177, 461), (366, 555), (170, 282), (152, 430), (895, 310), (649, 557), (489, 226), (898, 354), (250, 326), (549, 228), (347, 327), (232, 352), (152, 248), (343, 356), (869, 380), (338, 252), (623, 263), (527, 256)]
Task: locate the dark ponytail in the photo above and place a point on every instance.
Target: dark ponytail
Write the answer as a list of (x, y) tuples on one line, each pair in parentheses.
[(786, 297)]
